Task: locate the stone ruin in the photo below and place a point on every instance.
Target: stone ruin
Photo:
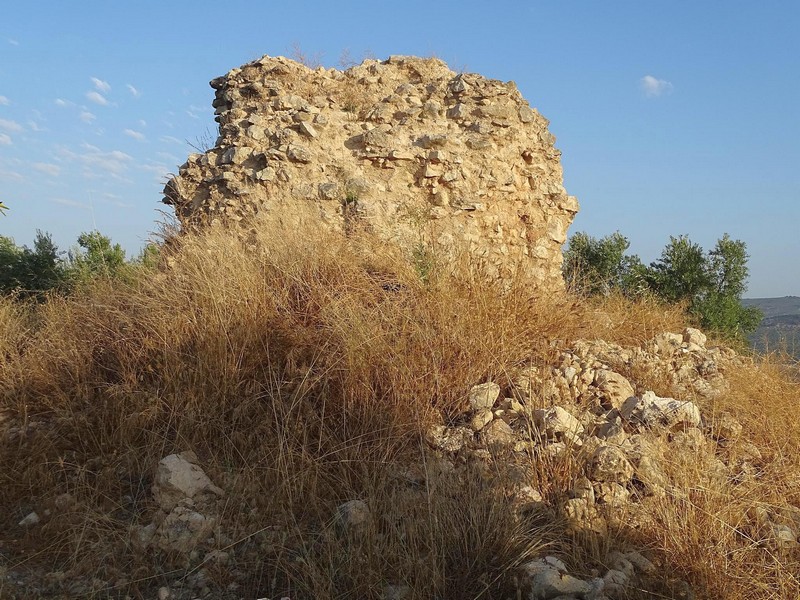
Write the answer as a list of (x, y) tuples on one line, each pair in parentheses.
[(406, 149)]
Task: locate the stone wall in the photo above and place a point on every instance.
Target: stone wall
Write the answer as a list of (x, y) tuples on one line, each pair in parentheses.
[(405, 148)]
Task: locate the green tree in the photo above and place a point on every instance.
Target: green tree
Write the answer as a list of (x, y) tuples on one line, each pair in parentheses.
[(710, 283), (3, 208), (681, 272), (720, 308), (597, 266), (148, 257), (31, 272), (96, 256), (10, 257)]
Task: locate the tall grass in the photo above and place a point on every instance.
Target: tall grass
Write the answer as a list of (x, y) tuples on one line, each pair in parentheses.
[(303, 373)]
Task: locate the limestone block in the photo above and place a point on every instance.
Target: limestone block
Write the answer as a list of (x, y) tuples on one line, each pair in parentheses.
[(549, 579), (480, 419), (652, 411), (615, 389), (179, 477), (498, 433), (557, 423), (609, 464), (694, 336), (484, 395)]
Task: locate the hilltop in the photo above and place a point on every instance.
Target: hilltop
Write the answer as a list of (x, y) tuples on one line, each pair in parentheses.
[(296, 400)]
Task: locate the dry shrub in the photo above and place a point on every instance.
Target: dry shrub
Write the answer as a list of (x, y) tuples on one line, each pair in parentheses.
[(629, 322)]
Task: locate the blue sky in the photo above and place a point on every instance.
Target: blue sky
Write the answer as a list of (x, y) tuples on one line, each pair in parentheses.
[(674, 117)]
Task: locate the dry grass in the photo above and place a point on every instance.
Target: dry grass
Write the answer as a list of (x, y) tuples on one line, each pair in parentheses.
[(302, 372)]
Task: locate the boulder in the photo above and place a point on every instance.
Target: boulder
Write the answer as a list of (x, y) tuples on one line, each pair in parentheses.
[(179, 477), (484, 396), (557, 423), (653, 411), (614, 388)]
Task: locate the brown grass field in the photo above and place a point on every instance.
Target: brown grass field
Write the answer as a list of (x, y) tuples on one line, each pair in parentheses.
[(304, 373)]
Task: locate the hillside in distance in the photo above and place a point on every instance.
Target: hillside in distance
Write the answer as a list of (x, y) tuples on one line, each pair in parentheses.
[(780, 328)]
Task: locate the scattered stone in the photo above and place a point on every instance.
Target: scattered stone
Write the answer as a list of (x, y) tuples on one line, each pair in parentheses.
[(725, 428), (484, 396), (449, 439), (183, 530), (29, 520), (694, 336), (652, 411), (178, 477), (480, 419), (609, 464), (667, 344), (614, 388), (353, 515), (782, 535), (549, 580), (557, 423), (498, 433)]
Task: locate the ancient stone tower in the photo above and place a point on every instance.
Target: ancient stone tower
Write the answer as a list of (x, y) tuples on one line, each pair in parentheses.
[(407, 149)]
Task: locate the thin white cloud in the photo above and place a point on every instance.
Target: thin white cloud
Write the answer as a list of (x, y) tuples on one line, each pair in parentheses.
[(63, 103), (168, 157), (13, 42), (72, 203), (34, 126), (142, 123), (4, 100), (653, 87), (100, 85), (115, 161), (134, 92), (172, 140), (96, 98), (195, 111), (5, 140), (48, 169), (155, 168), (87, 117), (137, 135), (10, 176), (12, 126), (98, 163)]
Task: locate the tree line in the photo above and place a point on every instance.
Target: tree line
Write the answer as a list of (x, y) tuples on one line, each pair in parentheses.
[(710, 284), (33, 272)]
